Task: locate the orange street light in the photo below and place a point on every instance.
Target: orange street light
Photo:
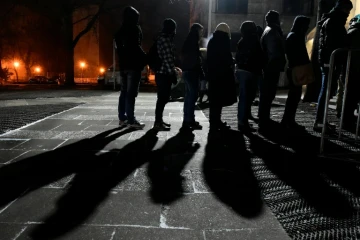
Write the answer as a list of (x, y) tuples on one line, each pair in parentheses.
[(82, 65), (102, 70), (38, 69), (16, 64)]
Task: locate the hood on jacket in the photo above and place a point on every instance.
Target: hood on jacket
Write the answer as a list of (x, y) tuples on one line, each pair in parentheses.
[(224, 28), (248, 28), (272, 17), (301, 25), (131, 16)]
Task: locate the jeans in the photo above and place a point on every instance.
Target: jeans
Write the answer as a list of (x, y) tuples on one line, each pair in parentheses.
[(191, 80), (163, 83), (293, 99), (322, 96), (267, 95), (130, 82), (248, 84)]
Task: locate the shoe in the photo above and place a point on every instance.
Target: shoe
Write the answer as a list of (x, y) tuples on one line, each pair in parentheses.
[(161, 127), (137, 125), (195, 125), (224, 126), (166, 124), (123, 123)]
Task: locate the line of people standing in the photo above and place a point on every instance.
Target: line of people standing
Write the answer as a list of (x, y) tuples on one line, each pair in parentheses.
[(259, 62)]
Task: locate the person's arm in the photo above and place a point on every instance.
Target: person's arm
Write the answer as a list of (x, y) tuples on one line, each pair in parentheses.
[(166, 54)]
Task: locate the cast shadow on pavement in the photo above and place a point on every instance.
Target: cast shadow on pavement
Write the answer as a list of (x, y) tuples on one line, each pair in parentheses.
[(293, 157), (92, 185), (167, 164), (228, 173)]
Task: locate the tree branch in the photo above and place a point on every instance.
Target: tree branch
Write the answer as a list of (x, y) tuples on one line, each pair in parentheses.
[(84, 18), (90, 24)]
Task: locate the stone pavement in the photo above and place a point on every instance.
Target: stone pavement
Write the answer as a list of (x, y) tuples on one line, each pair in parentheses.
[(76, 175)]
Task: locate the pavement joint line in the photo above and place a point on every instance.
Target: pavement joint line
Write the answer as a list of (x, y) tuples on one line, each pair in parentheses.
[(20, 144), (56, 127), (204, 234), (113, 234), (8, 162), (86, 128), (33, 123), (19, 234), (60, 144), (81, 123), (7, 206), (109, 123)]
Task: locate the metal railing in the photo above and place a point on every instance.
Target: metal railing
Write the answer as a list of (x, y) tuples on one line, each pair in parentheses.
[(328, 96)]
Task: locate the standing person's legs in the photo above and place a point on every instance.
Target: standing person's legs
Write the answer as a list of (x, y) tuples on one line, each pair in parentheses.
[(246, 80), (122, 98), (267, 95), (215, 116), (292, 102), (133, 83), (191, 80), (163, 83)]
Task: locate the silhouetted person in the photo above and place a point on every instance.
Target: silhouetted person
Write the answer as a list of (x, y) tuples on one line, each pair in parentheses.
[(167, 74), (352, 98), (297, 55), (222, 91), (192, 73), (273, 47), (250, 64), (203, 82), (132, 60), (333, 35)]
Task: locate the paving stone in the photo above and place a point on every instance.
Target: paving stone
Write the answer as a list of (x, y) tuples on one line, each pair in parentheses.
[(208, 213), (8, 155), (40, 144), (247, 234), (43, 126), (27, 155), (10, 231), (80, 233), (199, 182), (98, 117), (65, 116), (30, 134), (9, 144), (65, 127), (61, 183), (101, 128), (75, 135), (156, 233), (96, 122)]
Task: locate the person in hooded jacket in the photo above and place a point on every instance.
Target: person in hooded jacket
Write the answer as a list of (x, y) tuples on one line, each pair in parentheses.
[(274, 51), (333, 35), (297, 55), (250, 65), (132, 60), (192, 73), (166, 75), (353, 96), (222, 87)]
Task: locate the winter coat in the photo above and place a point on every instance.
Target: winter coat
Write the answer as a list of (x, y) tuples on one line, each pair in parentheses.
[(222, 88), (273, 48), (295, 46), (191, 55), (249, 55), (333, 35), (354, 42), (128, 41)]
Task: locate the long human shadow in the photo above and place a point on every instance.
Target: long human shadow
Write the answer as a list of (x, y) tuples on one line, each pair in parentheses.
[(228, 173), (91, 187), (293, 157), (167, 164), (24, 176)]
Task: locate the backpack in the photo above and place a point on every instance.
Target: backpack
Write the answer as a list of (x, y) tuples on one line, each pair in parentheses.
[(154, 59)]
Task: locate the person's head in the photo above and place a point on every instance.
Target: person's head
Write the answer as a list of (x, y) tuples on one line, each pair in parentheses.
[(344, 6), (197, 30), (272, 17), (223, 27), (248, 28), (301, 24), (131, 15), (169, 26)]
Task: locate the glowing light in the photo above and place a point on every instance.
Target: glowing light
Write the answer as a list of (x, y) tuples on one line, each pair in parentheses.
[(102, 70), (16, 64), (37, 69), (82, 64)]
